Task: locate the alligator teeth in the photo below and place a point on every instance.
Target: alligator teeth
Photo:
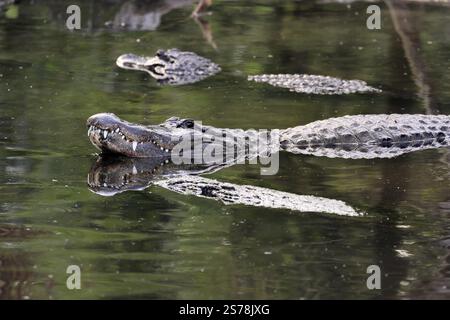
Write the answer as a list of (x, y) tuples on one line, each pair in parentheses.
[(117, 130), (123, 137), (134, 145), (161, 148), (134, 170), (167, 150), (105, 134)]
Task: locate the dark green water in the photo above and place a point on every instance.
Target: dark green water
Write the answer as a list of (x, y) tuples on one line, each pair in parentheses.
[(158, 244)]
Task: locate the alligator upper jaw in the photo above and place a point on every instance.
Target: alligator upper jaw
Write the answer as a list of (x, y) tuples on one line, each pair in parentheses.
[(155, 66), (110, 134)]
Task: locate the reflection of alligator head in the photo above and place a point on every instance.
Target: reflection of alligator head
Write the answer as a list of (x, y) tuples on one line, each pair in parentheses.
[(353, 137), (113, 175), (110, 176), (145, 15), (172, 66)]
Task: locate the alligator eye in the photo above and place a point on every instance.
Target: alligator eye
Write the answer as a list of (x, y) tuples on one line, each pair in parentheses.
[(187, 124), (162, 55)]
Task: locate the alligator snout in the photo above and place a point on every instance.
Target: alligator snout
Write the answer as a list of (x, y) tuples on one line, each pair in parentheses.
[(111, 134), (105, 120), (131, 61)]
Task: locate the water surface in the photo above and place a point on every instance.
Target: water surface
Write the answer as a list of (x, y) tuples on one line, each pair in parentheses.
[(158, 244)]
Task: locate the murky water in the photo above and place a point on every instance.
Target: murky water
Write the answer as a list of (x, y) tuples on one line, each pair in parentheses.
[(159, 244)]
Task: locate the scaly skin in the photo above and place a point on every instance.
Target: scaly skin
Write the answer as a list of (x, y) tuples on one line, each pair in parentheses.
[(314, 84), (368, 136), (171, 66), (352, 137)]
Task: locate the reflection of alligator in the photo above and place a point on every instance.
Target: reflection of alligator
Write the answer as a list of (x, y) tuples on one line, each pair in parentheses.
[(110, 176), (354, 137), (172, 66), (145, 15), (314, 84)]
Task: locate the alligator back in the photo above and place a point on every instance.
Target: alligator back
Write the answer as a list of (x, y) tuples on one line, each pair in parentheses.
[(368, 136), (314, 84), (187, 67)]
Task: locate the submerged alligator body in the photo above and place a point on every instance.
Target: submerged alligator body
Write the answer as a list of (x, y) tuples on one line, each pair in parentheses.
[(314, 84), (351, 137), (173, 67)]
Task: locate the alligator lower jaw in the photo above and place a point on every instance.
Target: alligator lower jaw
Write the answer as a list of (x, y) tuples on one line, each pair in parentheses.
[(115, 141)]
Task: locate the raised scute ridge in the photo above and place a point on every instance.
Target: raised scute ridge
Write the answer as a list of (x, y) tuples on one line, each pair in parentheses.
[(314, 84)]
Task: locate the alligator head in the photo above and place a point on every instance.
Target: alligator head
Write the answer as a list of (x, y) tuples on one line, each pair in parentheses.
[(172, 66), (110, 134)]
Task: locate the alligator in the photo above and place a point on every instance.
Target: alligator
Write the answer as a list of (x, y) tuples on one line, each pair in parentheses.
[(146, 154), (350, 137), (173, 67), (314, 84), (112, 175)]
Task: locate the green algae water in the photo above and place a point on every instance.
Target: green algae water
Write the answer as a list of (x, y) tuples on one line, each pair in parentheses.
[(157, 244)]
